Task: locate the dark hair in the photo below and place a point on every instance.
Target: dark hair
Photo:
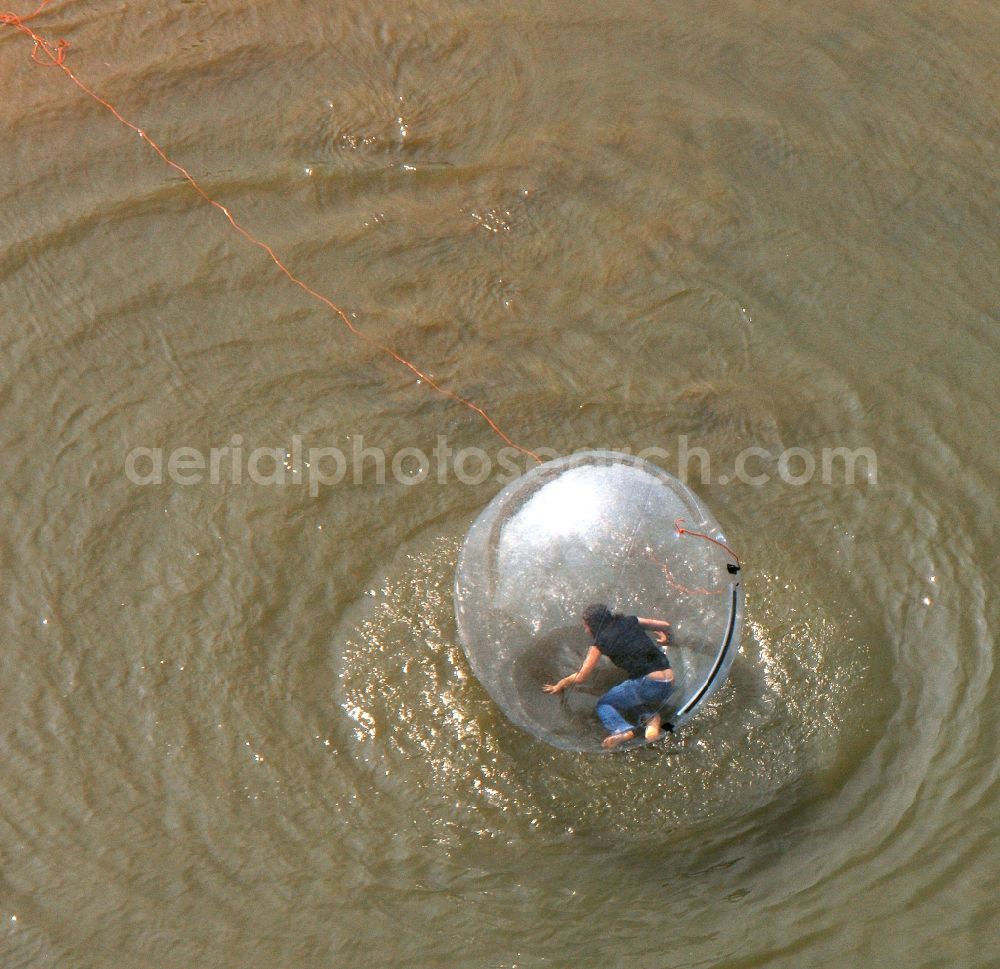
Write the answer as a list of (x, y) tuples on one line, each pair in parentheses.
[(598, 616)]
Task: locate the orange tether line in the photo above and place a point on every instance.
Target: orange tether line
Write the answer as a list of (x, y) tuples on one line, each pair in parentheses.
[(56, 56), (681, 530), (665, 568), (687, 589)]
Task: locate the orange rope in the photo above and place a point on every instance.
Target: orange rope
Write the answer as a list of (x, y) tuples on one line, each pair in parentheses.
[(56, 58), (678, 524), (686, 589), (669, 575)]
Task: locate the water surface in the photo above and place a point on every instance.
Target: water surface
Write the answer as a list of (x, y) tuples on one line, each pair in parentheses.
[(238, 729)]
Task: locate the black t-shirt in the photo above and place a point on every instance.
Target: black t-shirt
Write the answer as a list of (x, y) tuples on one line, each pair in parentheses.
[(626, 644)]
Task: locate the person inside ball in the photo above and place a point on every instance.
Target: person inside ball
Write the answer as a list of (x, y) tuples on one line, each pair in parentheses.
[(624, 640)]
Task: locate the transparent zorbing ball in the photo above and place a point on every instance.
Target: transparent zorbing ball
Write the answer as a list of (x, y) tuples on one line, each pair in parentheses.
[(594, 527)]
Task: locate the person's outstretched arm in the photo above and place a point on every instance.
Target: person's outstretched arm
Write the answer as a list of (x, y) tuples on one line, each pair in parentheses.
[(589, 662)]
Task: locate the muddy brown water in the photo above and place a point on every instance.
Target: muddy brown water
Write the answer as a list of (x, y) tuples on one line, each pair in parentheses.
[(237, 728)]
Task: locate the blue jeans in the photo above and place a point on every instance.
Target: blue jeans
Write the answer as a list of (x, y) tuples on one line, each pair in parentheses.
[(630, 695)]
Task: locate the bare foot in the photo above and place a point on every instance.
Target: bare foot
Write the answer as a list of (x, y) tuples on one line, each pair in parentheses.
[(615, 739), (654, 729)]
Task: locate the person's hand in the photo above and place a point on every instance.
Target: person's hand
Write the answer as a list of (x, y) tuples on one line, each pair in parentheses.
[(662, 638), (560, 686)]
